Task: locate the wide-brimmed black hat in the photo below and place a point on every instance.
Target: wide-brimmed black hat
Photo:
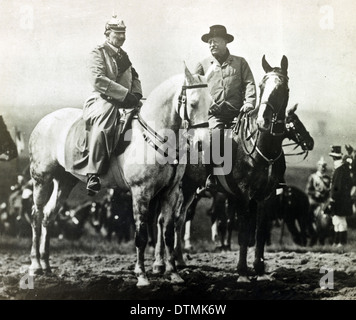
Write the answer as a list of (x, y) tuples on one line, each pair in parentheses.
[(217, 31)]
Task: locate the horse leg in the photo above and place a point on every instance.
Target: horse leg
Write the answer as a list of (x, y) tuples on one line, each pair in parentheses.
[(178, 230), (42, 190), (231, 211), (180, 219), (293, 230), (187, 231), (171, 203), (140, 207), (191, 210), (243, 239), (263, 225), (158, 265), (60, 193)]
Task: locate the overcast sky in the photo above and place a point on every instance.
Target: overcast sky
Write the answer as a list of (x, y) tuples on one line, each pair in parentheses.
[(45, 46)]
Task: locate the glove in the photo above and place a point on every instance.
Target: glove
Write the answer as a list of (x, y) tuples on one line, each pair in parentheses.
[(349, 149), (215, 109), (246, 108), (138, 96), (131, 100)]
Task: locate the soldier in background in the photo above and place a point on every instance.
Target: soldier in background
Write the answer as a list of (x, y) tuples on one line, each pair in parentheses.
[(318, 186), (340, 195)]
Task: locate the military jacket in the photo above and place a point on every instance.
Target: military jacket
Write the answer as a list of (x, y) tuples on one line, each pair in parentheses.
[(113, 74)]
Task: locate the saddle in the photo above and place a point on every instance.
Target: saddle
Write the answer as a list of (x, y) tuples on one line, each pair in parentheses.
[(77, 141)]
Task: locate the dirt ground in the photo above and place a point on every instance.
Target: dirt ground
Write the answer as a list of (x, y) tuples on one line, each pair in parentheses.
[(80, 272)]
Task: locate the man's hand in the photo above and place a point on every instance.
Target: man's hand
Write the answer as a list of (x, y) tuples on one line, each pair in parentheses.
[(215, 108), (130, 100), (246, 108), (138, 96)]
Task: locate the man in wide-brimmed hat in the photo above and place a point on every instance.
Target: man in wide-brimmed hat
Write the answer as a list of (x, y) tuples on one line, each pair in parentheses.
[(115, 85), (340, 195), (231, 84)]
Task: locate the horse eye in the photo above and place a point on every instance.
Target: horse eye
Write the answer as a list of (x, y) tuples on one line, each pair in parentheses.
[(194, 103)]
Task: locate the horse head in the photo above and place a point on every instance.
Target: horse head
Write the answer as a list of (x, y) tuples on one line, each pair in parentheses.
[(274, 94), (8, 150), (296, 131), (194, 100)]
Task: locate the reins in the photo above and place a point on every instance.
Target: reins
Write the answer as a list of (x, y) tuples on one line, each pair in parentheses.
[(182, 102), (254, 141)]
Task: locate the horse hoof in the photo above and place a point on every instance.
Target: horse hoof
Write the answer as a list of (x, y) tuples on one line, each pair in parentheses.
[(243, 279), (181, 264), (176, 278), (35, 271), (142, 281), (265, 277), (158, 268), (47, 271)]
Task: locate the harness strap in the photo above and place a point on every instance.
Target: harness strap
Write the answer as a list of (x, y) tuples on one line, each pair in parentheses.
[(158, 137)]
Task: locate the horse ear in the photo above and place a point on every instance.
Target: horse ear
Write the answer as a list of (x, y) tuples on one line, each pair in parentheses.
[(293, 109), (188, 75), (265, 65), (284, 63)]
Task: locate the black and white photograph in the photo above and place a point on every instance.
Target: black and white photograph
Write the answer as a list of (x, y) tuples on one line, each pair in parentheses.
[(164, 151)]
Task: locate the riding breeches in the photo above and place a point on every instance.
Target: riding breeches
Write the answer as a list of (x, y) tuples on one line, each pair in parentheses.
[(101, 118), (340, 223)]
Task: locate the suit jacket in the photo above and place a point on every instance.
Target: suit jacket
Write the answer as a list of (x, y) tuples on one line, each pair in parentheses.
[(108, 77), (231, 82), (341, 185)]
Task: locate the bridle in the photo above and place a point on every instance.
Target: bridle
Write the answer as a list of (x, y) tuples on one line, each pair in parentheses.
[(275, 121), (290, 126), (186, 123), (182, 102)]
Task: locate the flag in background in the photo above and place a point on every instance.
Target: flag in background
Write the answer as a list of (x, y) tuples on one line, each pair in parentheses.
[(19, 140)]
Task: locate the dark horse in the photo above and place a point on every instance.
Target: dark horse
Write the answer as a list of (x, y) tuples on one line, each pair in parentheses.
[(257, 161), (225, 218), (8, 150)]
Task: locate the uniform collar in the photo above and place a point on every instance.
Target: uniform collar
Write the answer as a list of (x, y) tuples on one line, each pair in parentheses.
[(112, 50)]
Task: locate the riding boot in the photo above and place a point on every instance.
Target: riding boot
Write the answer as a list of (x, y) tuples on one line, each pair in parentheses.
[(93, 184), (343, 237), (336, 238), (211, 182)]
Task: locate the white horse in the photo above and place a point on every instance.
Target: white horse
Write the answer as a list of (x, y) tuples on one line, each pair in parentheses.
[(144, 166)]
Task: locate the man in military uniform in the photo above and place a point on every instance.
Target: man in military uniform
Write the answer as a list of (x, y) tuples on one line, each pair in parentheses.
[(116, 85), (318, 186), (231, 86)]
